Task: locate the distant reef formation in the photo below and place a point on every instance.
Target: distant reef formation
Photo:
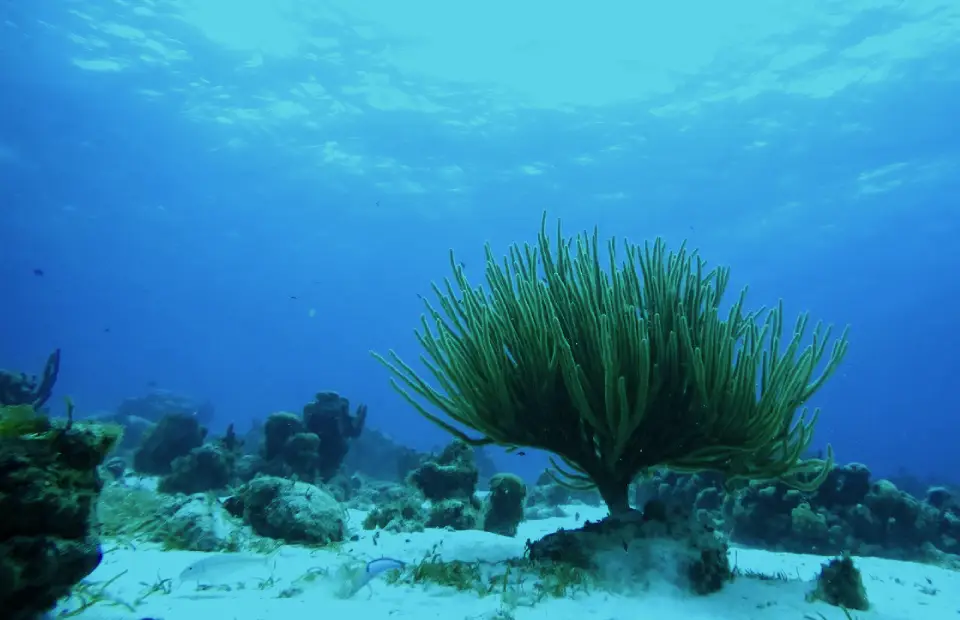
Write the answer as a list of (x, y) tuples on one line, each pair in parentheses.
[(158, 403), (850, 512), (309, 447)]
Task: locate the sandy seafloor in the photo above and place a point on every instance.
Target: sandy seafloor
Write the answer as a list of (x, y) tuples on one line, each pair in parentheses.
[(276, 590)]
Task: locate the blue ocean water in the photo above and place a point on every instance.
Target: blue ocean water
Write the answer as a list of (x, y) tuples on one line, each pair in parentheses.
[(238, 200)]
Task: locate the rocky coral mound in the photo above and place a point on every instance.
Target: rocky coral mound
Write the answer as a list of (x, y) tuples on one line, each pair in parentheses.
[(312, 446), (657, 542), (49, 485), (294, 512), (849, 512), (449, 481)]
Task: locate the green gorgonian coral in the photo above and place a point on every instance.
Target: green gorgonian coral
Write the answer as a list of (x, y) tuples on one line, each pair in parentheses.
[(620, 370)]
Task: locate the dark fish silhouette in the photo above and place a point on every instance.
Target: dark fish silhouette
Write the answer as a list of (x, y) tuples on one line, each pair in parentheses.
[(39, 273)]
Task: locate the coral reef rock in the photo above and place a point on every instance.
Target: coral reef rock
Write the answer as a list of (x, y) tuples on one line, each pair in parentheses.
[(310, 447), (200, 523), (841, 585), (174, 436), (49, 486), (328, 417), (452, 474), (196, 522), (503, 506), (637, 547), (294, 512), (449, 481), (206, 468), (849, 512)]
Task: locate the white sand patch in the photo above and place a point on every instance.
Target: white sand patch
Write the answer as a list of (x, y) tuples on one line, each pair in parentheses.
[(300, 583)]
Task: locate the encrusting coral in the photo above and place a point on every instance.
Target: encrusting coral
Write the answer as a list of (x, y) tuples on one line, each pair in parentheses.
[(617, 371)]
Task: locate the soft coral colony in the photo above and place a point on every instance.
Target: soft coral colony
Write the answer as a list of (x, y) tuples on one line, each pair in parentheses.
[(621, 370)]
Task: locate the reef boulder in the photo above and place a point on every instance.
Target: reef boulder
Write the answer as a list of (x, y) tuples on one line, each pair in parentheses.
[(174, 436), (294, 512)]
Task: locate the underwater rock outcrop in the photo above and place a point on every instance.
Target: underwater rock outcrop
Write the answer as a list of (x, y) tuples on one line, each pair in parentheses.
[(277, 431), (17, 388), (311, 447), (291, 511), (174, 436), (209, 467), (206, 468), (452, 474), (328, 417), (841, 585), (848, 512), (449, 481), (503, 506), (402, 513), (198, 522), (637, 546), (49, 485)]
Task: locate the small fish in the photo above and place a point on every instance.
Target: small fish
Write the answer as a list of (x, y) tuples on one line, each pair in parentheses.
[(220, 567), (39, 273), (373, 569)]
